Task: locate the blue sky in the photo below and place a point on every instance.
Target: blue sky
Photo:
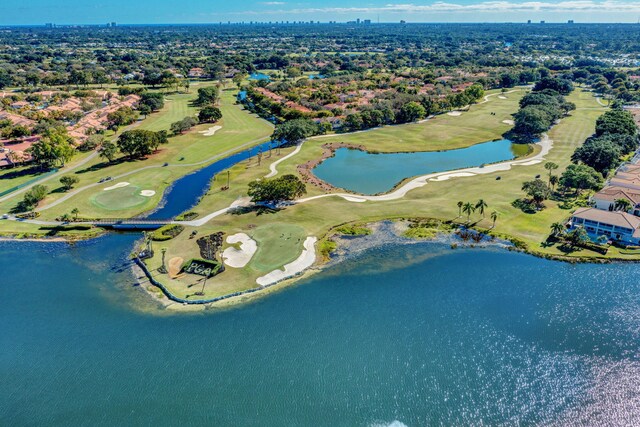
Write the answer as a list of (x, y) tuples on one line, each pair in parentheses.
[(20, 12)]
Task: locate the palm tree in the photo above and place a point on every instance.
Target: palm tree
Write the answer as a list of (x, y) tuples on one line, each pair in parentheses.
[(494, 218), (481, 205), (460, 204), (75, 212), (553, 181), (550, 166), (622, 205), (468, 208), (557, 228)]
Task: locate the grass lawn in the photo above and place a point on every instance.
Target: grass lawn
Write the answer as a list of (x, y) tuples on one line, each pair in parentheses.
[(278, 244), (184, 153), (442, 132), (119, 198), (435, 200)]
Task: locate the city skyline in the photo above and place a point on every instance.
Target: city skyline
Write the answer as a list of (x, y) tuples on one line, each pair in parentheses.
[(37, 12)]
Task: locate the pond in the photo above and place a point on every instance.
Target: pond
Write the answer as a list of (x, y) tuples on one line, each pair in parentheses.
[(259, 76), (368, 173)]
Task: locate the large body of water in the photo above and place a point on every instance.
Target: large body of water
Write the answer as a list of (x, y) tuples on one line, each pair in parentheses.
[(369, 173), (421, 334)]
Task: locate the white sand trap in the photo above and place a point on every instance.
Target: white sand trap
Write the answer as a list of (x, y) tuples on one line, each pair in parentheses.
[(509, 122), (118, 185), (502, 97), (529, 163), (238, 258), (304, 261), (354, 199), (147, 193), (454, 113), (211, 131), (452, 175)]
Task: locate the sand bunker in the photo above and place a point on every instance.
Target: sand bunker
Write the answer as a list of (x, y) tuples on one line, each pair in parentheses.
[(502, 97), (238, 258), (147, 193), (118, 185), (509, 122), (304, 261), (454, 113), (211, 131), (452, 175), (175, 265)]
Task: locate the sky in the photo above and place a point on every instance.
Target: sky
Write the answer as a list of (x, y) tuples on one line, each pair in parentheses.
[(25, 12)]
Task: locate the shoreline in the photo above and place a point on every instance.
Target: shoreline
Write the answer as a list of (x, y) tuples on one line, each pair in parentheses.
[(383, 232)]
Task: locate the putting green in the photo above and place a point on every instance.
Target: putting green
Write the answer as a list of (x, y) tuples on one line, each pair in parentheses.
[(119, 198), (278, 244)]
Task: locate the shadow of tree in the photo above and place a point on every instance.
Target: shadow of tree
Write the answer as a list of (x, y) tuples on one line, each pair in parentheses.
[(102, 165), (12, 174)]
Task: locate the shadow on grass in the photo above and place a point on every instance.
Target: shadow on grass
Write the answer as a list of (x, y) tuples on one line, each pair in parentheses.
[(102, 165), (12, 174), (259, 210)]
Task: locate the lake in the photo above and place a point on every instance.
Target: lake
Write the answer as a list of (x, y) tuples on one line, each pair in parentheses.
[(369, 173), (413, 334)]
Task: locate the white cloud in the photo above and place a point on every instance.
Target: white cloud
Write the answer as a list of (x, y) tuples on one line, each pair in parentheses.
[(486, 6)]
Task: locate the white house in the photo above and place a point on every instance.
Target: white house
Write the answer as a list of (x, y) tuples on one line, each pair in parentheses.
[(619, 226)]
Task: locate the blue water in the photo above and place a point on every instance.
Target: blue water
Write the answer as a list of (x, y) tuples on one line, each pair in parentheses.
[(316, 77), (421, 334), (369, 173), (259, 76), (187, 191)]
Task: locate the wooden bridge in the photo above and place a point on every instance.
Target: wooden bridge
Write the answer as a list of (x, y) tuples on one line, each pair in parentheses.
[(132, 223)]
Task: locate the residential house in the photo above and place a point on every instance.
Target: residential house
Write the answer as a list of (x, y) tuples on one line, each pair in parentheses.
[(606, 198), (619, 226)]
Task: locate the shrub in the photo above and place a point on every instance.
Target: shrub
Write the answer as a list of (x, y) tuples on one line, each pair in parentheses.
[(167, 232), (353, 230)]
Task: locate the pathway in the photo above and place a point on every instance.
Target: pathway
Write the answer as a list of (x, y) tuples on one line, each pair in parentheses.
[(50, 177), (274, 165)]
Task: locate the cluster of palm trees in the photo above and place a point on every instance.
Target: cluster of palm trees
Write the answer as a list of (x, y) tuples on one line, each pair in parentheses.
[(553, 179), (480, 206), (623, 205)]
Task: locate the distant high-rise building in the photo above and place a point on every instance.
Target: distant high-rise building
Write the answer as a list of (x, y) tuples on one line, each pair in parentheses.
[(528, 21), (542, 22), (48, 25), (403, 21), (113, 24), (358, 21), (570, 21), (367, 22)]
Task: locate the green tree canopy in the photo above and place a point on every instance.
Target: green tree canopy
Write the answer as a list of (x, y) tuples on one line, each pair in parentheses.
[(209, 114), (139, 143), (207, 96), (600, 153), (287, 187), (294, 131), (537, 190), (581, 177), (183, 125), (616, 122)]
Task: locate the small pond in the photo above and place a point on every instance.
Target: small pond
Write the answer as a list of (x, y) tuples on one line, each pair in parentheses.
[(368, 173), (259, 76)]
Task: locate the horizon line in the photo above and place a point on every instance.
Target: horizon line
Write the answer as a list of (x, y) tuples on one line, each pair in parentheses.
[(314, 22)]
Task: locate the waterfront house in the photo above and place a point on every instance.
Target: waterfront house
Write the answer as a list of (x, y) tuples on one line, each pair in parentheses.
[(618, 226)]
